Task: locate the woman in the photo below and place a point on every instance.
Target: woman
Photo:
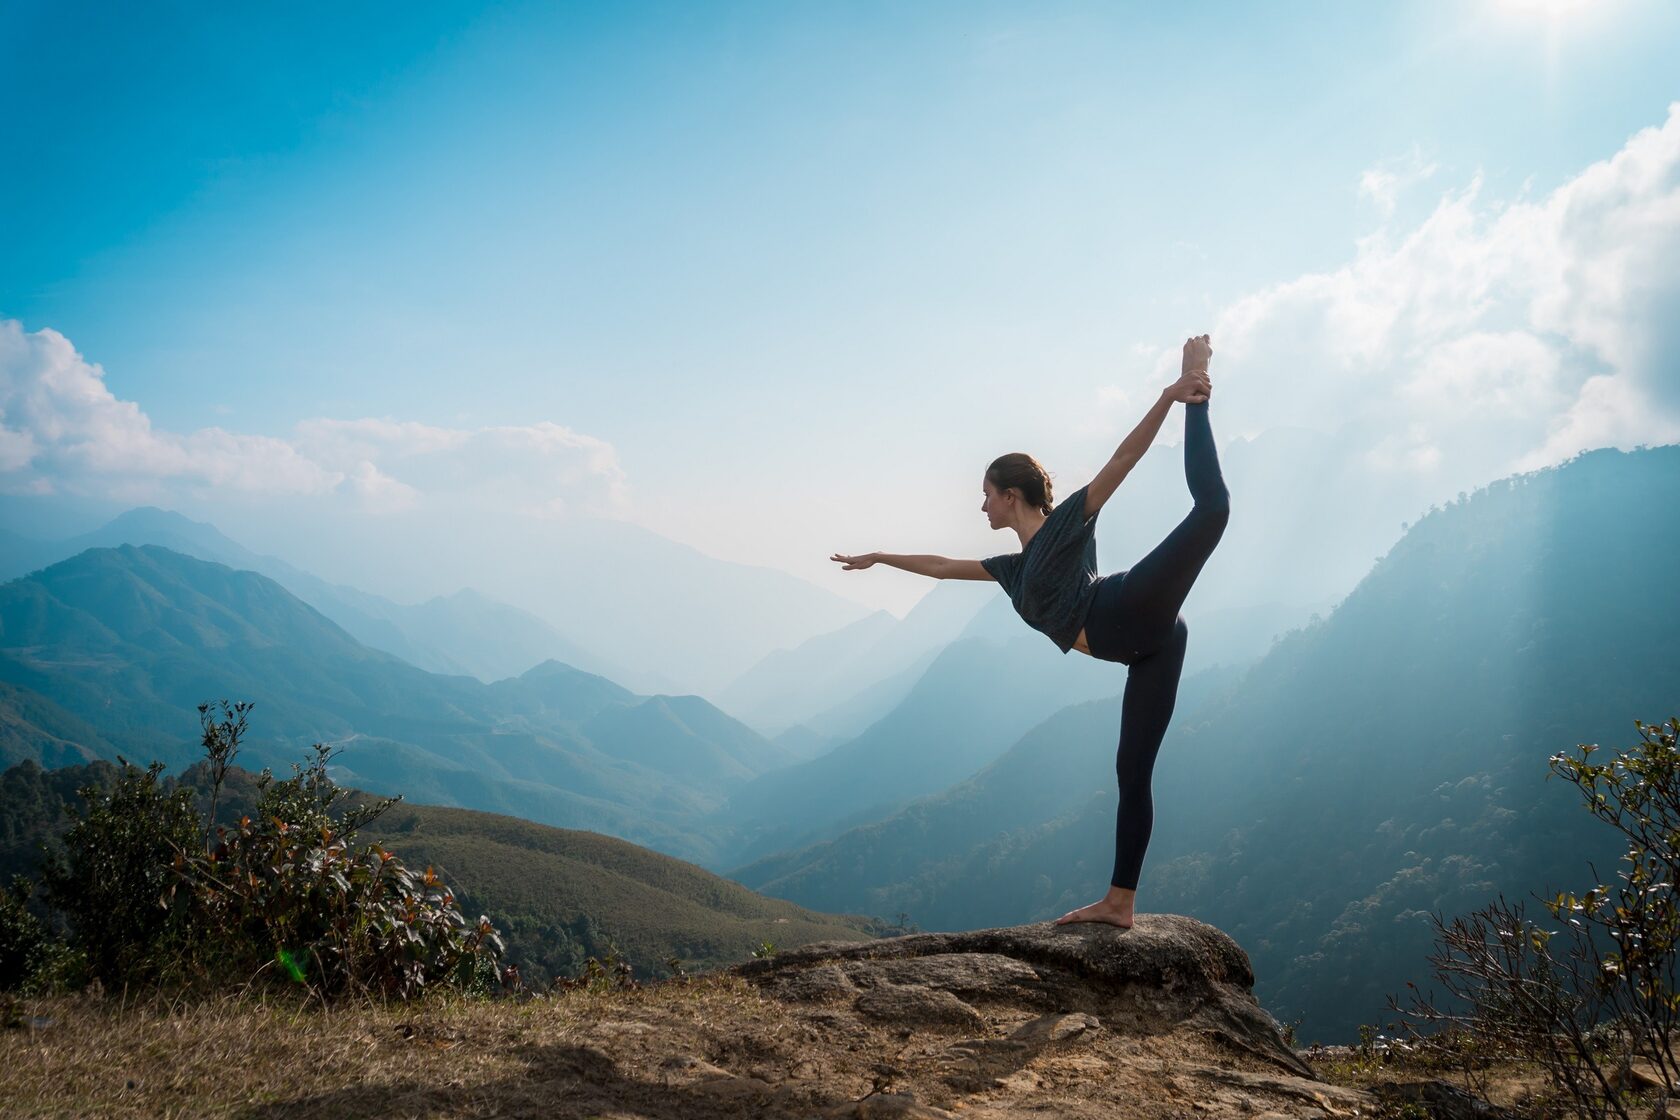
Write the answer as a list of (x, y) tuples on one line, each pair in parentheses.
[(1130, 616)]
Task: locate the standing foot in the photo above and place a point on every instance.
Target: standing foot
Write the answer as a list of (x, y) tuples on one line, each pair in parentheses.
[(1115, 908)]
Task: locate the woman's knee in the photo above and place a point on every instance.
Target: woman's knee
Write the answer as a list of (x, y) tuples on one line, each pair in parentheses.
[(1215, 506)]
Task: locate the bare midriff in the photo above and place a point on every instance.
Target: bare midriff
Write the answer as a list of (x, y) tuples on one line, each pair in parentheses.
[(1081, 644)]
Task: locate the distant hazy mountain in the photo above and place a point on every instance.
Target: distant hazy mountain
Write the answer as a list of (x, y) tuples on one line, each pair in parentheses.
[(950, 717), (790, 684), (627, 603), (463, 634), (803, 743), (1387, 761), (33, 727), (651, 603), (20, 554), (113, 649), (955, 721), (867, 679), (918, 860)]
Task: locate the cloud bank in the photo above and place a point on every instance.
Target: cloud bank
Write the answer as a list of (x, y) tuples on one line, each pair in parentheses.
[(1494, 337), (63, 431)]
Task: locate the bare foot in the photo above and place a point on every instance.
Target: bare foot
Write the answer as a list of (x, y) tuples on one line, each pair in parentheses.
[(1114, 913)]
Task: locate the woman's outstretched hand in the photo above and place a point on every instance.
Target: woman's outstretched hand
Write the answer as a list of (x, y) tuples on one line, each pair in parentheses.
[(853, 563)]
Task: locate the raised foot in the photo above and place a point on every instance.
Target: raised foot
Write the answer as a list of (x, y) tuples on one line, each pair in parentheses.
[(1099, 912)]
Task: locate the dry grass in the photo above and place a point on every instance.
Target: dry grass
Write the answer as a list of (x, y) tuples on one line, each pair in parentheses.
[(712, 1047), (249, 1056)]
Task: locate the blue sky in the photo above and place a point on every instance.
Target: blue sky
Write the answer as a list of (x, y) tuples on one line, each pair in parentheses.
[(819, 260)]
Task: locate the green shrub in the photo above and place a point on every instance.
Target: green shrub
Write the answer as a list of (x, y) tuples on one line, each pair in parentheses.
[(114, 876), (152, 898), (31, 960), (1597, 988), (287, 893)]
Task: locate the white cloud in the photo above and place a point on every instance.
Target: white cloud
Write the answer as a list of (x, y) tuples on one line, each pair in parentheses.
[(1384, 183), (62, 430), (1489, 339)]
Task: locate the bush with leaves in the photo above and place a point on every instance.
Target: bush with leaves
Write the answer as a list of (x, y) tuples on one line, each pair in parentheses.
[(288, 892), (154, 898), (1593, 992), (116, 869), (31, 961)]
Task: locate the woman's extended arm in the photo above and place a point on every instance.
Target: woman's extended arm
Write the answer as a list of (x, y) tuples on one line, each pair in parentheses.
[(1192, 387), (939, 567)]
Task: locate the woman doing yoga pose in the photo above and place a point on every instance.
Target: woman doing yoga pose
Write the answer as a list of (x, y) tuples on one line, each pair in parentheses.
[(1129, 616)]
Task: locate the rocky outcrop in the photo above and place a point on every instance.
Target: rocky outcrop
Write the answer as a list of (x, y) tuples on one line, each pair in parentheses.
[(1080, 1020)]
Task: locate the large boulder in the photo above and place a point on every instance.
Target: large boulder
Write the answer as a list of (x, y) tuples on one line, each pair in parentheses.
[(1164, 973)]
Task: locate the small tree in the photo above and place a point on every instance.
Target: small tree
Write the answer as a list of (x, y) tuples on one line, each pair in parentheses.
[(221, 743), (114, 875), (1594, 990)]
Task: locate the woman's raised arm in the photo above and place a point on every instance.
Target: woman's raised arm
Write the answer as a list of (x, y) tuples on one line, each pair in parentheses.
[(1192, 387)]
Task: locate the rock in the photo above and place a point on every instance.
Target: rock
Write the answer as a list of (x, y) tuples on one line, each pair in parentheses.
[(1165, 972), (917, 1004), (816, 983), (1054, 1028), (1331, 1099)]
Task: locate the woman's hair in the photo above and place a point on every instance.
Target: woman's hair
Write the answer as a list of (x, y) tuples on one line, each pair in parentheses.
[(1024, 473)]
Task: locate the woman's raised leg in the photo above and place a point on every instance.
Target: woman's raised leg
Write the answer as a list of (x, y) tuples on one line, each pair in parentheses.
[(1154, 589)]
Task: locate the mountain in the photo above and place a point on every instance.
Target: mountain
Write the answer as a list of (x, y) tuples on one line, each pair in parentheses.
[(900, 863), (462, 634), (33, 727), (954, 722), (857, 691), (113, 649), (789, 684), (609, 596), (1380, 763)]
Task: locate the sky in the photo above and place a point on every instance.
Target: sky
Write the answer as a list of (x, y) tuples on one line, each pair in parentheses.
[(779, 280)]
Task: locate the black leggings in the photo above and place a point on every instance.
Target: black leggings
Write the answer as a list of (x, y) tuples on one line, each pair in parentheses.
[(1134, 620)]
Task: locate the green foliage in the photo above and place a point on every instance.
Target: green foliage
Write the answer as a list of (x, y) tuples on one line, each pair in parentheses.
[(287, 893), (1596, 991), (31, 961), (221, 743), (290, 894), (614, 973), (329, 916), (115, 874)]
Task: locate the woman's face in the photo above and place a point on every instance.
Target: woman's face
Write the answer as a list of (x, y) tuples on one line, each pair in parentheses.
[(995, 506)]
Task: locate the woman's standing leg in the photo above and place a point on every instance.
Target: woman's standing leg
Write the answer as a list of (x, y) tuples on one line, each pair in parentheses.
[(1145, 711)]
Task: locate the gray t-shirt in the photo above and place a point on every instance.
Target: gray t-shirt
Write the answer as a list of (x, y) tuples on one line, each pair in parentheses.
[(1054, 578)]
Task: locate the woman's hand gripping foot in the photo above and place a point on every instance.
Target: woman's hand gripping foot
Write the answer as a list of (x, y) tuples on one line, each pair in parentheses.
[(1115, 908)]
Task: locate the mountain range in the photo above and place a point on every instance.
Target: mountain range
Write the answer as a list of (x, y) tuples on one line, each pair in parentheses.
[(125, 643)]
